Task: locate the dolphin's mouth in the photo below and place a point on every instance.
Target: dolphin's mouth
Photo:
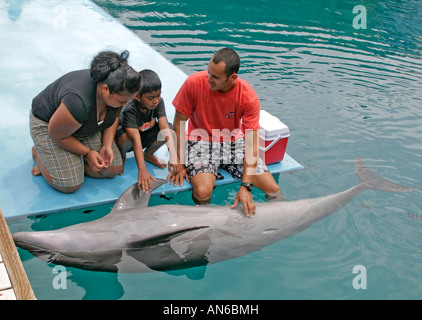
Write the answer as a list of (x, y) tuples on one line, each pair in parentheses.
[(44, 254), (32, 248), (51, 256)]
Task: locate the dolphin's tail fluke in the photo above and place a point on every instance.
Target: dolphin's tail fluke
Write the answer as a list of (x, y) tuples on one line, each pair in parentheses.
[(372, 181)]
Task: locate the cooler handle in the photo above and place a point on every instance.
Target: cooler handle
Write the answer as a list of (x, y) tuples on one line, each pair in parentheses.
[(271, 144)]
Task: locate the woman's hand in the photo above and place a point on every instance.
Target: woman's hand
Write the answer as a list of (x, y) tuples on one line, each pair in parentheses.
[(107, 156), (95, 161)]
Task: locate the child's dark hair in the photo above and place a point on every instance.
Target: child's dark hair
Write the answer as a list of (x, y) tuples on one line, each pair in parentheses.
[(149, 82), (110, 68)]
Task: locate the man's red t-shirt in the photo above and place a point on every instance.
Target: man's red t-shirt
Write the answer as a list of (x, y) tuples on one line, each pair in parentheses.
[(216, 116)]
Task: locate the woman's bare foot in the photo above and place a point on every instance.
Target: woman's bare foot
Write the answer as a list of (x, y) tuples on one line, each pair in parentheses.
[(123, 165), (35, 171), (154, 160)]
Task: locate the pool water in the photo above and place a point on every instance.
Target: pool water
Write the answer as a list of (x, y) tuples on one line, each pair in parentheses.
[(345, 89)]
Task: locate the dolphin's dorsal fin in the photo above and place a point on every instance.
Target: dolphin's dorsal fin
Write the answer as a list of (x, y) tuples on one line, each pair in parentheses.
[(135, 198)]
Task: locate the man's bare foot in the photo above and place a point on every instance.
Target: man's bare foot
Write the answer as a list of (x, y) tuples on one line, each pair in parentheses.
[(35, 171), (154, 160)]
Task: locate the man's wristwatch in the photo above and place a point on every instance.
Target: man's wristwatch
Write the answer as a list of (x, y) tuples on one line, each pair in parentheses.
[(247, 185)]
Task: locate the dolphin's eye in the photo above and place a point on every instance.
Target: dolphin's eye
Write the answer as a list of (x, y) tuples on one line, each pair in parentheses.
[(88, 264)]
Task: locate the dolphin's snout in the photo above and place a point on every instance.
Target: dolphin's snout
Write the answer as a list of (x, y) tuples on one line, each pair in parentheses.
[(36, 241), (25, 240), (19, 238)]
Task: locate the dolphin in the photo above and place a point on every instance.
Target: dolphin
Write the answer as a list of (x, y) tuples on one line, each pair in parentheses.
[(136, 238)]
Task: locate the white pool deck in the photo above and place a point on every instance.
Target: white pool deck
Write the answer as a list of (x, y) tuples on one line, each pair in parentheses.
[(14, 284), (6, 290)]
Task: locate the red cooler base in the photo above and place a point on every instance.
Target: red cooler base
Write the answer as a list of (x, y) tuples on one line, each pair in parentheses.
[(275, 153)]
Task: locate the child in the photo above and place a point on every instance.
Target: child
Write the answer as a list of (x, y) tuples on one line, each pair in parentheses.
[(140, 123)]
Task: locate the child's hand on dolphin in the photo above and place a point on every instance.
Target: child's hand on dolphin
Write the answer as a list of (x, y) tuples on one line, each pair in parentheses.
[(144, 180)]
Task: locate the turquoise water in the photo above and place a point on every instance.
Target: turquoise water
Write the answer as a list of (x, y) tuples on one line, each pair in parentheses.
[(344, 93)]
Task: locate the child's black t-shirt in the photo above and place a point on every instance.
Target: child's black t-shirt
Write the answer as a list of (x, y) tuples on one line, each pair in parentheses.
[(132, 117)]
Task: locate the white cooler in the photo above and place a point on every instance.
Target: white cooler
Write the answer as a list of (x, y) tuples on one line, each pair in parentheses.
[(273, 137)]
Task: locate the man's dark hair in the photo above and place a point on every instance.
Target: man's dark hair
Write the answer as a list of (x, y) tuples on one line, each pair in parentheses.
[(230, 58)]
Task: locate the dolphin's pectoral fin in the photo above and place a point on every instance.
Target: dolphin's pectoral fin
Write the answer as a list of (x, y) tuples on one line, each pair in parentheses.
[(158, 253), (134, 197), (161, 238)]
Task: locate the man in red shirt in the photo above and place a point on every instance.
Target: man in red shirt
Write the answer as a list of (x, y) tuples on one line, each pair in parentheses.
[(223, 113)]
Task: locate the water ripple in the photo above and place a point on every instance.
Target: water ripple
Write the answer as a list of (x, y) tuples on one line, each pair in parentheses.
[(343, 93)]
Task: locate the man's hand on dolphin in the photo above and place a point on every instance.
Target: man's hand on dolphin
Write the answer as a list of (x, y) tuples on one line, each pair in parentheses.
[(245, 197)]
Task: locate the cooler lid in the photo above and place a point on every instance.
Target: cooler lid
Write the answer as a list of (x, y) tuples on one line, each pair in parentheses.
[(271, 126)]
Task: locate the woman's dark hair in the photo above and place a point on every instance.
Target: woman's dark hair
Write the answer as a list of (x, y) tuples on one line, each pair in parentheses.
[(149, 81), (230, 58), (110, 68)]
